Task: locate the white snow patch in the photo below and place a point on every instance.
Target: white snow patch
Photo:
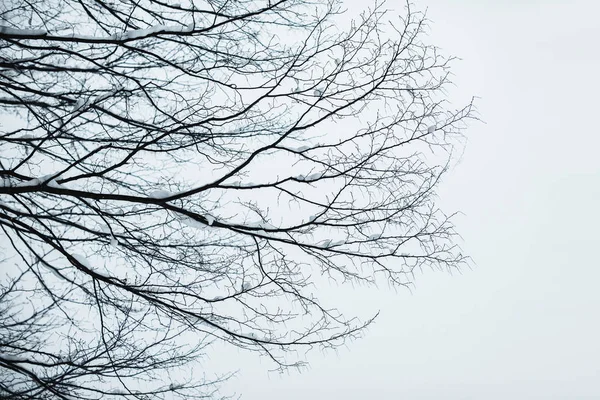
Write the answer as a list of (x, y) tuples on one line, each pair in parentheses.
[(82, 260), (47, 178), (260, 225), (22, 32), (210, 219), (375, 236), (114, 242), (141, 33), (29, 183), (53, 184), (243, 184), (315, 176), (192, 223), (50, 180), (301, 149), (159, 194), (55, 272)]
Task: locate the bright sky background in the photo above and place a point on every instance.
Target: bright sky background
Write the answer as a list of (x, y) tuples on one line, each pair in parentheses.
[(523, 324)]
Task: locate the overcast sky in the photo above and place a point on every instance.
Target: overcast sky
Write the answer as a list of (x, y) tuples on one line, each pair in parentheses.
[(523, 324)]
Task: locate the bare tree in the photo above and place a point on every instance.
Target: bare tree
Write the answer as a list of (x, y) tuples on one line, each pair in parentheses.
[(174, 174)]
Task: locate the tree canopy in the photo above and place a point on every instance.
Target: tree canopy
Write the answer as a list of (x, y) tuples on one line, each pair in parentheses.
[(172, 174)]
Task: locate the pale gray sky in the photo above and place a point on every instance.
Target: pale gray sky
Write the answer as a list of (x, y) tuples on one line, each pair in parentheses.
[(523, 324)]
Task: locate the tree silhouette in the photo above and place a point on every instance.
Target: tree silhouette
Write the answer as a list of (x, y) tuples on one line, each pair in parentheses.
[(175, 174)]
